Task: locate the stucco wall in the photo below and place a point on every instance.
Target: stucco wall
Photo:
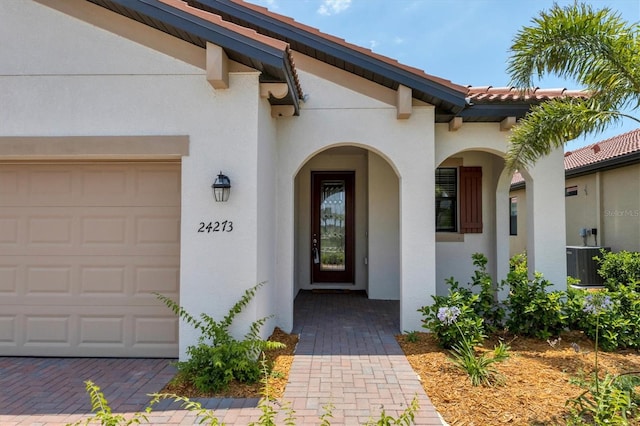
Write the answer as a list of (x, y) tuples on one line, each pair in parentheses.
[(518, 243), (384, 230), (581, 209), (72, 78), (621, 208)]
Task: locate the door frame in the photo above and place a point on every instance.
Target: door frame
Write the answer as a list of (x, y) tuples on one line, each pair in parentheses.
[(346, 276)]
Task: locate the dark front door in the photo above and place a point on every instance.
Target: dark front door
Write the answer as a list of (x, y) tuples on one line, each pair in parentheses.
[(332, 227)]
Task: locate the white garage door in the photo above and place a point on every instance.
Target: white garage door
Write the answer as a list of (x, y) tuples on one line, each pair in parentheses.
[(83, 247)]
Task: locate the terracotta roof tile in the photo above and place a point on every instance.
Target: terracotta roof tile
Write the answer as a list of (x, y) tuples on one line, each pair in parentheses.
[(626, 143), (497, 94), (393, 62), (617, 146)]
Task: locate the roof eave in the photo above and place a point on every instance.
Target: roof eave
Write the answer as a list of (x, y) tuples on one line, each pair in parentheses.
[(424, 89), (263, 54)]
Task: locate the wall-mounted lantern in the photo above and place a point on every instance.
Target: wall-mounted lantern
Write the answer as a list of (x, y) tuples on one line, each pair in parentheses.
[(221, 188)]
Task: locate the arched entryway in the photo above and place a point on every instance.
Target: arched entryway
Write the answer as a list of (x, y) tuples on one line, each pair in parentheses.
[(346, 223)]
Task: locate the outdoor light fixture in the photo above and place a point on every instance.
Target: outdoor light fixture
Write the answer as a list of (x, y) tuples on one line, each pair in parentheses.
[(221, 188)]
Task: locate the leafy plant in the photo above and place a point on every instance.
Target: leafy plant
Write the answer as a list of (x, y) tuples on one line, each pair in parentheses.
[(616, 327), (479, 366), (487, 305), (412, 336), (468, 322), (268, 406), (406, 418), (102, 411), (464, 356), (532, 310), (612, 400), (219, 358), (622, 268)]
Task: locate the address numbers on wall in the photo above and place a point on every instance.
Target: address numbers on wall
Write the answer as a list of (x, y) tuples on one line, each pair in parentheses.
[(217, 226)]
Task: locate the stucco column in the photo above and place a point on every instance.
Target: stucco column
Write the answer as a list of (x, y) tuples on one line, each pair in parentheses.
[(285, 253), (546, 238), (502, 230), (417, 243)]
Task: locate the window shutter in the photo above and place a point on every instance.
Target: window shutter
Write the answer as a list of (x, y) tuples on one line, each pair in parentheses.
[(471, 200)]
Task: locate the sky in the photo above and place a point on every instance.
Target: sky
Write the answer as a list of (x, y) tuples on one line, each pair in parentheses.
[(465, 41)]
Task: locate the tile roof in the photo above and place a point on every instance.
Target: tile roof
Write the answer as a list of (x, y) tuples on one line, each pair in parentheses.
[(257, 26), (608, 149), (393, 62), (505, 94), (617, 146)]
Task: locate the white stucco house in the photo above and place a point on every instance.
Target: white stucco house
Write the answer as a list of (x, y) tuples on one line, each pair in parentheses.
[(348, 170)]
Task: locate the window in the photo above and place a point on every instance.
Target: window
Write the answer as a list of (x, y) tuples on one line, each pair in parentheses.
[(513, 216), (446, 199), (459, 199), (571, 191)]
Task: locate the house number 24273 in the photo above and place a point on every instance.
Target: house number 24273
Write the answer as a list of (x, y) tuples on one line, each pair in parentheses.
[(217, 226)]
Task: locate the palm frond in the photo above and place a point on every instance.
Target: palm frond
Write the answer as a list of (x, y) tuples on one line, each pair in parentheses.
[(549, 125), (596, 48)]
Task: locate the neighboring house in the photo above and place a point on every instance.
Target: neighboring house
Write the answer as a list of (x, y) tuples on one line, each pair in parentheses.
[(602, 193), (118, 115)]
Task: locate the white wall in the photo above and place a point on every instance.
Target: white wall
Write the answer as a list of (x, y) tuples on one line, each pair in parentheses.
[(620, 212), (72, 78), (546, 241), (518, 243), (384, 230), (582, 210)]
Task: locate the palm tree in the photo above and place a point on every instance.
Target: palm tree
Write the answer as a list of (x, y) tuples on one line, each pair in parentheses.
[(598, 50)]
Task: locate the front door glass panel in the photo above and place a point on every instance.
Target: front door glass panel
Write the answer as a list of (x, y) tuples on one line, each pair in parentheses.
[(332, 227)]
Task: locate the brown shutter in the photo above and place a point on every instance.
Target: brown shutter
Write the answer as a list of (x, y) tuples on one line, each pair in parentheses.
[(471, 200)]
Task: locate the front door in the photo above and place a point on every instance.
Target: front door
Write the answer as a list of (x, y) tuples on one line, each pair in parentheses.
[(332, 227)]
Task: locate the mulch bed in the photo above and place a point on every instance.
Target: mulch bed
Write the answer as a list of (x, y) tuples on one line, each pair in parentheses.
[(537, 380)]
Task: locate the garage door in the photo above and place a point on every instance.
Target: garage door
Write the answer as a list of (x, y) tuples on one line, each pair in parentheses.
[(83, 247)]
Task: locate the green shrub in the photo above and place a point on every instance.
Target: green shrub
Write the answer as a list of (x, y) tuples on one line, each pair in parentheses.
[(219, 358), (622, 268), (532, 310), (459, 303), (487, 305), (618, 326)]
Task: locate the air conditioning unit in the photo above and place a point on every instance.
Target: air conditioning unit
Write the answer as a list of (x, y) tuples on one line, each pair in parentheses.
[(580, 265)]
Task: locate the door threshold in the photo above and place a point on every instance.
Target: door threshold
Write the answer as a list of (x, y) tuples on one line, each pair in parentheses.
[(334, 291)]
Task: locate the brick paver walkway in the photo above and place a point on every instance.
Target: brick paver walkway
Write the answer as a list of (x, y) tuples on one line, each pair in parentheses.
[(347, 356)]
